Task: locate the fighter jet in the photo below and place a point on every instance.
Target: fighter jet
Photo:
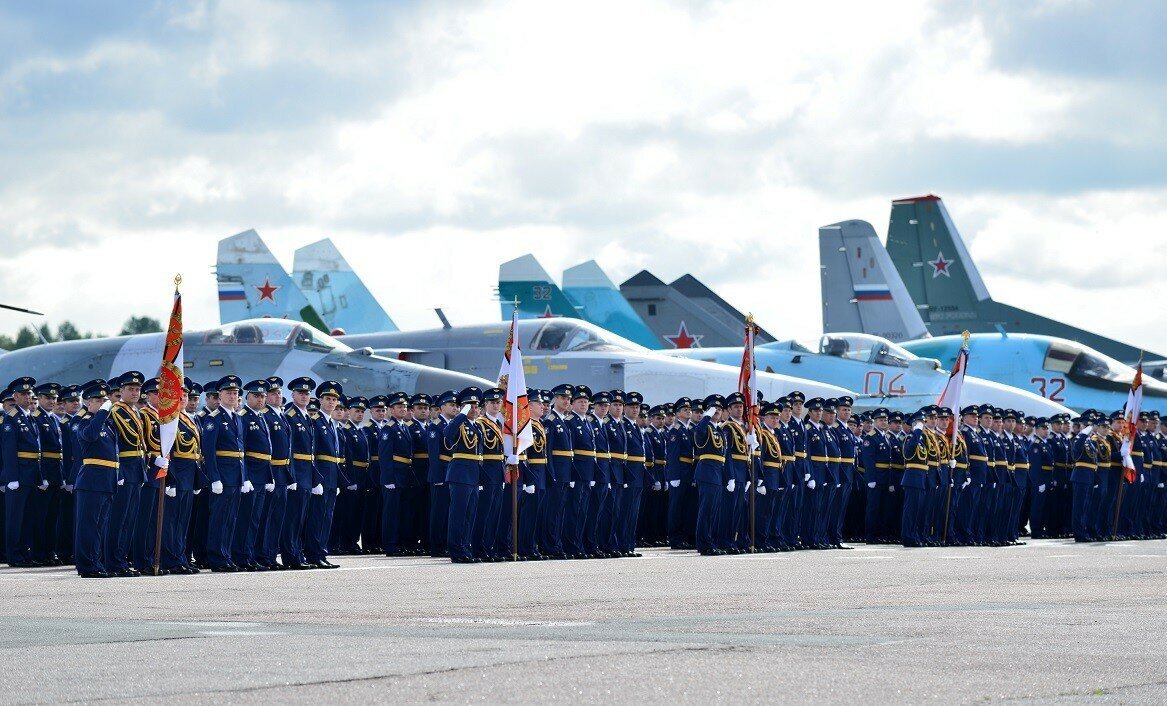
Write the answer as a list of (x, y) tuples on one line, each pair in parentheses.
[(336, 292), (565, 350), (1061, 371), (252, 284), (686, 313), (944, 282), (253, 348)]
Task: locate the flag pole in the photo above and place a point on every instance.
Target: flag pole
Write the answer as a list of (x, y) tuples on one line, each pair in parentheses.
[(162, 488), (750, 419), (513, 471)]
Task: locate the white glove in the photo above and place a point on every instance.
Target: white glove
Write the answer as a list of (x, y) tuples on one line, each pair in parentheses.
[(44, 485), (217, 487), (247, 487), (512, 460), (677, 484), (14, 485), (761, 490), (121, 481), (69, 488), (352, 487), (198, 490), (805, 477), (529, 489), (655, 486), (917, 426), (570, 484), (338, 491), (891, 489), (465, 409), (967, 482), (269, 487), (162, 462), (871, 485), (748, 484), (731, 485), (1142, 479), (106, 406), (810, 484), (171, 492), (391, 486), (318, 489), (1160, 485), (1041, 488), (752, 438), (591, 484), (625, 485), (293, 486), (952, 463), (480, 488)]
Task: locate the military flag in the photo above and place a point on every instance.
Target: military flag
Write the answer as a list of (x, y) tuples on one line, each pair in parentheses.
[(1130, 416), (747, 380), (517, 432), (950, 397), (170, 394)]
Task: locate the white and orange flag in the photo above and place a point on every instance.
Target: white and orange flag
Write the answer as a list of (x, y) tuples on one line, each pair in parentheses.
[(747, 379), (171, 398), (1130, 416), (517, 434), (950, 398)]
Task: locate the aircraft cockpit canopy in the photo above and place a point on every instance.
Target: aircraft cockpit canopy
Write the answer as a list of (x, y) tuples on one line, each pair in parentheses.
[(573, 335), (862, 348), (273, 332)]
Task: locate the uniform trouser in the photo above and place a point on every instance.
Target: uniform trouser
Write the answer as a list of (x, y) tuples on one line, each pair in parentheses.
[(345, 515), (175, 517), (271, 525), (292, 532), (529, 521), (552, 510), (1128, 510), (200, 511), (779, 505), (839, 500), (1099, 523), (244, 549), (763, 515), (486, 519), (407, 514), (873, 529), (928, 511), (1080, 514), (64, 528), (575, 517), (598, 499), (371, 518), (463, 503), (729, 516), (1017, 505), (121, 526), (608, 521), (47, 507), (966, 504), (796, 494), (319, 524), (1001, 515), (855, 509), (92, 525), (676, 520), (439, 518), (421, 515), (690, 511), (893, 510), (146, 529), (629, 514), (224, 512), (812, 505), (3, 529), (709, 497), (1038, 527), (17, 523), (390, 519), (913, 510)]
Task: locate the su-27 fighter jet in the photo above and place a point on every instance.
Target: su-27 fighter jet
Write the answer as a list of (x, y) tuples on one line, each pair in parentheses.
[(251, 349), (861, 290), (324, 292)]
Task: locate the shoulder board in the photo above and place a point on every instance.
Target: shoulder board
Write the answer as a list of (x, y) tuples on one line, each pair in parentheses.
[(314, 416), (242, 411), (291, 412), (213, 413), (36, 412)]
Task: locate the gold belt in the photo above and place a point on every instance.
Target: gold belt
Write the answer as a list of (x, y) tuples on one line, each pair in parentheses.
[(100, 462)]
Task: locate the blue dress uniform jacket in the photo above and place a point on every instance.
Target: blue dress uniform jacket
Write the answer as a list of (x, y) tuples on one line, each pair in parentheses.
[(492, 471), (534, 468), (302, 442), (223, 448), (603, 474), (20, 442), (97, 480), (438, 457), (559, 449), (710, 452), (463, 442), (679, 454), (876, 454), (817, 454), (637, 455), (848, 451), (52, 449), (329, 452), (281, 446), (70, 444), (395, 455), (978, 457), (131, 443), (617, 451), (257, 448), (583, 445)]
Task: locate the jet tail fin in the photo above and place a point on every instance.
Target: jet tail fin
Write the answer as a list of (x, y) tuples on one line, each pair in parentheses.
[(861, 289), (253, 284), (335, 290), (590, 290), (525, 279)]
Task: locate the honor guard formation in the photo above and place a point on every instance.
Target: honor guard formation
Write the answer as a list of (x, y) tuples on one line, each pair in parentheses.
[(257, 482)]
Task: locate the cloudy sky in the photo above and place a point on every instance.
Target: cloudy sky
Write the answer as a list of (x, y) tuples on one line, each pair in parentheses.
[(434, 140)]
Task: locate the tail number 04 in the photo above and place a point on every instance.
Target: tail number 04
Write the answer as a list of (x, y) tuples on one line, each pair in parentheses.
[(875, 379), (1050, 388)]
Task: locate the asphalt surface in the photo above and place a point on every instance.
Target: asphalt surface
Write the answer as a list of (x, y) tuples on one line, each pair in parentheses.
[(1048, 621)]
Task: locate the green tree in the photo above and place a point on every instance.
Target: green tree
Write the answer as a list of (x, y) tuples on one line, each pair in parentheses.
[(68, 332), (26, 337), (141, 324)]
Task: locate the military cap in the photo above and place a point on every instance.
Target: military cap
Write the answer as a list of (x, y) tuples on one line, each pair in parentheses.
[(985, 410), (447, 397), (643, 409), (275, 382), (420, 400), (863, 417), (945, 413), (559, 390), (853, 421), (617, 396), (1010, 414), (72, 392), (829, 404), (896, 416), (1154, 413), (546, 395), (917, 416), (25, 384), (211, 387), (342, 402), (1040, 423), (581, 392), (633, 398), (1116, 414), (472, 395), (192, 387), (998, 413), (495, 394), (395, 398), (256, 387), (970, 409), (47, 389), (1029, 420), (358, 403), (95, 389), (734, 398), (657, 411), (683, 403), (132, 377), (814, 403), (304, 384), (880, 413), (149, 386), (378, 401), (602, 397), (713, 401), (796, 397), (845, 401), (230, 382), (313, 405), (329, 387), (771, 408)]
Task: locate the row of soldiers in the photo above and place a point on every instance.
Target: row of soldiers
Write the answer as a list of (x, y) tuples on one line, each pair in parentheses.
[(323, 474)]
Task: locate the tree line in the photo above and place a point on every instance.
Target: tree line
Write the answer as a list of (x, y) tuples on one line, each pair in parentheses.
[(68, 331)]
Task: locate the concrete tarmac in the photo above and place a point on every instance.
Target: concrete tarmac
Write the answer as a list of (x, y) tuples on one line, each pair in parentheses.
[(1048, 621)]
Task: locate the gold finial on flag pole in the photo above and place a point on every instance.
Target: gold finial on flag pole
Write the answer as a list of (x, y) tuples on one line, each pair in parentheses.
[(177, 280), (964, 336)]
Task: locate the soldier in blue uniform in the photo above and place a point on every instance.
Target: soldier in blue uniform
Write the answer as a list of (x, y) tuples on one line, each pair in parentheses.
[(679, 473), (223, 439), (72, 412), (346, 536), (915, 452), (599, 493), (201, 504), (258, 475), (395, 454), (560, 455), (801, 470), (302, 443), (132, 455), (181, 473), (1084, 454), (771, 478), (737, 466), (276, 491), (417, 498), (370, 482), (439, 460), (815, 491), (45, 505), (463, 442), (146, 513), (972, 484), (97, 479), (1041, 471), (637, 461), (608, 518), (583, 472), (533, 470), (876, 452), (327, 457), (711, 474), (491, 472), (654, 513)]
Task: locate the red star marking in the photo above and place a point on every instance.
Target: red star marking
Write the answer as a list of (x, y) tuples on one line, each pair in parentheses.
[(547, 314), (940, 266), (683, 339), (267, 291)]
